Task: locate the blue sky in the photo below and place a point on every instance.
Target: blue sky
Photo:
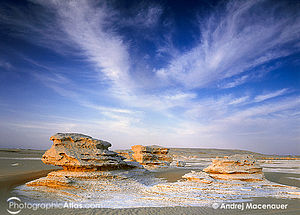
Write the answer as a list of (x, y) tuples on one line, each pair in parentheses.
[(211, 74)]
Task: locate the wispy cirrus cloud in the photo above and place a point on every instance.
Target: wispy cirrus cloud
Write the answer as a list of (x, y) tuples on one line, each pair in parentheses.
[(78, 28), (231, 42), (142, 16), (235, 41), (230, 107), (177, 94), (259, 127), (236, 82), (85, 25), (274, 94), (266, 110)]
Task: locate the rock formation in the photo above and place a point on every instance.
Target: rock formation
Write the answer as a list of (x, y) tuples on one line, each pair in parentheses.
[(82, 157), (199, 177), (80, 152), (126, 153), (135, 188), (235, 167), (151, 156)]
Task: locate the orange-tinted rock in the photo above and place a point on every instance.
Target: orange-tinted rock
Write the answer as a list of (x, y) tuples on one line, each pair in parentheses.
[(83, 158), (235, 167), (126, 154), (201, 177), (151, 155), (63, 179), (52, 180), (78, 152)]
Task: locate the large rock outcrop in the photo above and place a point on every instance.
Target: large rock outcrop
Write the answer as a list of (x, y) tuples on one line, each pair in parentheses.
[(82, 158), (235, 167), (74, 151), (151, 156)]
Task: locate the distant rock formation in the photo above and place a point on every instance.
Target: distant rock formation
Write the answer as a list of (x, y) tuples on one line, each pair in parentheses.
[(151, 156), (82, 157), (235, 167), (74, 151)]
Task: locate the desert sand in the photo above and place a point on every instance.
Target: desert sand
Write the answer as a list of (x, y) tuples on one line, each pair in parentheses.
[(293, 209), (21, 166)]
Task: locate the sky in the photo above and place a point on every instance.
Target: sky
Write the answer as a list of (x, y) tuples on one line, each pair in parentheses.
[(175, 73)]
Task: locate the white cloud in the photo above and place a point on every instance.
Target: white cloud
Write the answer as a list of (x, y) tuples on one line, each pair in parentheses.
[(142, 16), (267, 110), (266, 96), (234, 42), (271, 127), (105, 109), (84, 24), (231, 107), (78, 28), (236, 82), (239, 100)]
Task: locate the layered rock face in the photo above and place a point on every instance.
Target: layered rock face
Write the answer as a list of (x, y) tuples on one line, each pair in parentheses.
[(82, 157), (235, 167), (151, 156), (74, 151), (126, 153)]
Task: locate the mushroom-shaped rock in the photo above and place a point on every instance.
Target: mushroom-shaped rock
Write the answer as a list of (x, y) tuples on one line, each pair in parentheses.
[(75, 151)]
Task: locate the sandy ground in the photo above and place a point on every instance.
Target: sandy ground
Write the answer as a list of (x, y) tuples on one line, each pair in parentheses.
[(292, 208), (21, 153), (172, 175), (17, 168), (283, 178)]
